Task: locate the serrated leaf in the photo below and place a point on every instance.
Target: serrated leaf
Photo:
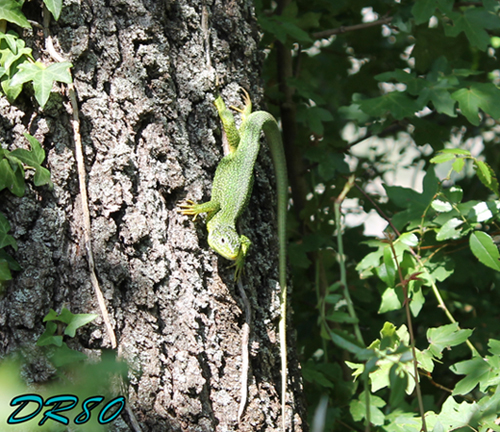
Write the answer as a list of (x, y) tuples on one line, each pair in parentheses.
[(483, 248), (486, 175), (42, 77), (55, 7), (10, 10)]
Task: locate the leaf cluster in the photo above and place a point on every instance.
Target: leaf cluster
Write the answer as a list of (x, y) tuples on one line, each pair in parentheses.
[(17, 65), (376, 90)]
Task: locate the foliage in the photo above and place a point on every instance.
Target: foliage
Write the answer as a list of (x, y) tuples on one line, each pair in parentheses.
[(13, 165), (17, 65), (373, 91), (60, 353), (73, 374)]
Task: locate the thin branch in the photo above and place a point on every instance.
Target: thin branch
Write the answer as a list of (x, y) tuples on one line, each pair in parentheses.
[(404, 284), (343, 280), (82, 182), (75, 123), (326, 33), (245, 336)]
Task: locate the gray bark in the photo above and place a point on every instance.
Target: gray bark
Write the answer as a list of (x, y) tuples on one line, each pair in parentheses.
[(151, 138)]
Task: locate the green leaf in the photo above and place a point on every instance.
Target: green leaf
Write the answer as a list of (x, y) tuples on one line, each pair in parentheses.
[(476, 370), (358, 409), (10, 10), (485, 96), (78, 321), (7, 240), (422, 10), (409, 239), (36, 148), (13, 264), (5, 274), (458, 165), (442, 158), (397, 103), (449, 230), (446, 336), (398, 383), (473, 22), (48, 337), (455, 151), (391, 300), (487, 176), (12, 177), (454, 416), (494, 346), (483, 248), (441, 206), (390, 268), (64, 355), (43, 77), (346, 342), (454, 193), (55, 7)]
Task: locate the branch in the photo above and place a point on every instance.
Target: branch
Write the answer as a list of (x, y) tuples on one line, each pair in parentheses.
[(326, 33)]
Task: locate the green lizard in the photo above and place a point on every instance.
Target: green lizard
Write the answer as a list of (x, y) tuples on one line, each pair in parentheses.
[(231, 190)]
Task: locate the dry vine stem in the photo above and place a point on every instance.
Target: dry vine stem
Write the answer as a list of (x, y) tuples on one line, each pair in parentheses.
[(75, 123)]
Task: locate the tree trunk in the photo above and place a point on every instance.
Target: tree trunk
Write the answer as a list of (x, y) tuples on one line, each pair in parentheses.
[(151, 138)]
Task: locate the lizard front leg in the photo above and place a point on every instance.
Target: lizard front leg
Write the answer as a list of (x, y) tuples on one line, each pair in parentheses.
[(190, 208)]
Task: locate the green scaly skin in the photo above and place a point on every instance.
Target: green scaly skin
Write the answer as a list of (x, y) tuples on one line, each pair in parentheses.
[(231, 190)]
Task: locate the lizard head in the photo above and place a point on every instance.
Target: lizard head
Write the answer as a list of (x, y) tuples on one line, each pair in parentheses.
[(225, 241)]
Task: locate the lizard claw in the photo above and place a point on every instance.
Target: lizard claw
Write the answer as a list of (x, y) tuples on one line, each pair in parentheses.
[(187, 208)]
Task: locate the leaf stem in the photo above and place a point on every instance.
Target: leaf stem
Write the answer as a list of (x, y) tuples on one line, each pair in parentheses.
[(404, 284), (343, 280)]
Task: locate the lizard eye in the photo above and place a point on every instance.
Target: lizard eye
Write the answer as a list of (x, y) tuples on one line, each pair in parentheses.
[(223, 240)]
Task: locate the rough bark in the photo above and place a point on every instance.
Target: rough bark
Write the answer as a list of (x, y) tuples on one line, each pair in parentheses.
[(151, 138)]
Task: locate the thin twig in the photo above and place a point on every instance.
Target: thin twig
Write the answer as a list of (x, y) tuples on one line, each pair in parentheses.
[(75, 123), (343, 280), (245, 336), (339, 30), (404, 284)]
